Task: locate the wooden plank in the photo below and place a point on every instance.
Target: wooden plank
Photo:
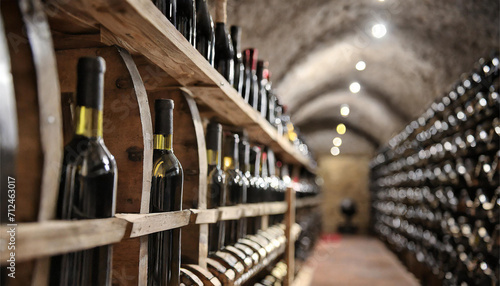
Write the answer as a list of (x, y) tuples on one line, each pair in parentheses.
[(230, 213), (204, 216), (290, 236), (155, 37), (144, 224), (309, 202), (46, 238)]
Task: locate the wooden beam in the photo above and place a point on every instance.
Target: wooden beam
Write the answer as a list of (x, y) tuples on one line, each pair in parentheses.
[(290, 236)]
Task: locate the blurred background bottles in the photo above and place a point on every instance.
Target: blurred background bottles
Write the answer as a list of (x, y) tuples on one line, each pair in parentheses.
[(436, 186)]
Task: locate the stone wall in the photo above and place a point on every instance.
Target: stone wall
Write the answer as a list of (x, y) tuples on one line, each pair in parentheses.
[(345, 176)]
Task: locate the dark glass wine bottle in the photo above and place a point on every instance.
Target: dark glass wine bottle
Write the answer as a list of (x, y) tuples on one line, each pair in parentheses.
[(216, 193), (239, 68), (224, 54), (255, 189), (164, 248), (271, 99), (244, 156), (186, 20), (262, 97), (255, 181), (88, 181), (273, 181), (251, 86), (168, 8), (205, 35), (247, 77), (235, 187), (265, 190)]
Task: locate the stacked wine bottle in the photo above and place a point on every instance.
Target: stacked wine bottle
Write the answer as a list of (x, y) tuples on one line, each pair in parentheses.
[(243, 70), (435, 188)]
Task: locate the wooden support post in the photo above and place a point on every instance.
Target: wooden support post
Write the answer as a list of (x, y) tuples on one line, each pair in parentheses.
[(290, 239)]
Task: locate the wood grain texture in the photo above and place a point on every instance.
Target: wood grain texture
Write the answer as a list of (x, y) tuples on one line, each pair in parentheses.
[(290, 236), (39, 36), (147, 166), (35, 240), (144, 224)]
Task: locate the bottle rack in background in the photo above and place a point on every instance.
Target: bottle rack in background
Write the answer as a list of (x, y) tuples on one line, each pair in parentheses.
[(435, 188), (46, 104)]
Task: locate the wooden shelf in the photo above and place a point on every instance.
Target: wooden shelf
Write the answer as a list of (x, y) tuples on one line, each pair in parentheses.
[(139, 26), (40, 239), (308, 202)]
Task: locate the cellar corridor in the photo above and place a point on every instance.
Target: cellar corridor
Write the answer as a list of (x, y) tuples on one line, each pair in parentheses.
[(249, 142), (354, 260)]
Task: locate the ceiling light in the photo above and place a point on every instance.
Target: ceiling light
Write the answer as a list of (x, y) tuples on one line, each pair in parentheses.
[(355, 87), (335, 151), (337, 141), (341, 129), (344, 110), (379, 30), (360, 66)]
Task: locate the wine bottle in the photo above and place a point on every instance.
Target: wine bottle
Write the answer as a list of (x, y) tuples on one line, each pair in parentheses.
[(166, 196), (239, 68), (236, 189), (265, 187), (205, 35), (216, 186), (251, 86), (168, 8), (273, 180), (244, 156), (256, 180), (186, 20), (88, 181), (247, 77), (224, 54), (262, 100), (256, 188), (271, 99)]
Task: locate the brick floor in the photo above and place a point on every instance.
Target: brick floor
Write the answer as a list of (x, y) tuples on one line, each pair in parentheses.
[(355, 260)]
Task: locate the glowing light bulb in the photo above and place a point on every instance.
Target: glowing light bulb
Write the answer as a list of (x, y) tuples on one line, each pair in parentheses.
[(335, 151), (341, 129), (344, 110), (355, 87), (360, 66), (337, 141), (379, 30)]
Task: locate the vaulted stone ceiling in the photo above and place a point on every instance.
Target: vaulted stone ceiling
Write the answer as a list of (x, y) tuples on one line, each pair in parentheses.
[(313, 46)]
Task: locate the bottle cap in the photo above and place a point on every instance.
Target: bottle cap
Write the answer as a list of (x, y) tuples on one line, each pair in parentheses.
[(90, 83), (164, 116)]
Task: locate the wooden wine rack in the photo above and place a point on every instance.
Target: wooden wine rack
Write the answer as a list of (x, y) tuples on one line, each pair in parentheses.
[(146, 59)]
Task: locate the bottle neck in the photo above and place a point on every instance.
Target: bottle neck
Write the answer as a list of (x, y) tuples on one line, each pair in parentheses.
[(162, 142), (88, 122)]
